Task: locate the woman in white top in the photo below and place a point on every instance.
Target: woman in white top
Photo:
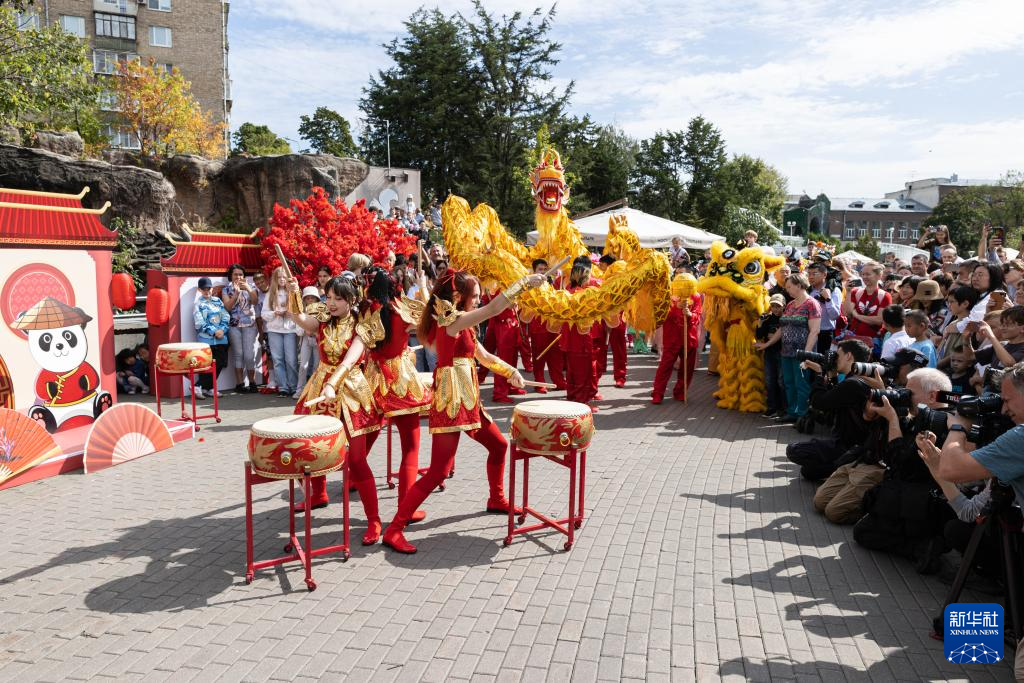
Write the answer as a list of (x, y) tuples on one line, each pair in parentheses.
[(282, 334), (986, 278)]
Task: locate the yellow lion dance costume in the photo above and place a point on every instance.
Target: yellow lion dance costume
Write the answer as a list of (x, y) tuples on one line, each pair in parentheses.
[(734, 300), (637, 284)]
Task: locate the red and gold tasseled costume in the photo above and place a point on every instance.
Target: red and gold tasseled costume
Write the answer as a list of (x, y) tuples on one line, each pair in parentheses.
[(397, 388), (455, 409), (679, 331), (581, 370), (354, 406)]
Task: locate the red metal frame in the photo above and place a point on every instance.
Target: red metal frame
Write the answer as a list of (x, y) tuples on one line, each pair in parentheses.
[(192, 381), (393, 475), (573, 460), (299, 552)]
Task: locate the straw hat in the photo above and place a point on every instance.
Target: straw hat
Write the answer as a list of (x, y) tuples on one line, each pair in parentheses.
[(51, 314), (928, 290), (778, 299)]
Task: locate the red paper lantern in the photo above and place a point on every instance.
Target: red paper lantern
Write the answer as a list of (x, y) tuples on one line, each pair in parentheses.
[(157, 306), (122, 291)]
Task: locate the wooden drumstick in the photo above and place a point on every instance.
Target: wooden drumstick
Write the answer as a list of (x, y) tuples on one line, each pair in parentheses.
[(320, 399), (531, 383), (557, 267), (284, 263), (313, 402), (548, 347)]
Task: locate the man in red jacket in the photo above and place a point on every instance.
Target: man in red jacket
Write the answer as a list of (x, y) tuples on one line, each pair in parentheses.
[(581, 374), (679, 332), (614, 337), (540, 341)]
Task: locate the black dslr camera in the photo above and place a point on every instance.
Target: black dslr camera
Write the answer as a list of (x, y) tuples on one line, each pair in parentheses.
[(901, 399), (827, 361)]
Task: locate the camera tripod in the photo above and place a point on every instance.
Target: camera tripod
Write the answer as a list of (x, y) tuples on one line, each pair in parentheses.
[(1009, 520)]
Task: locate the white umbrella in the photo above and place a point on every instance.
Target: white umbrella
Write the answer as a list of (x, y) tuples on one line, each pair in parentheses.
[(654, 232)]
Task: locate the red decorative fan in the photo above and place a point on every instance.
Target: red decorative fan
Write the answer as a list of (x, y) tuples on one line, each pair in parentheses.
[(124, 432), (6, 386), (24, 443)]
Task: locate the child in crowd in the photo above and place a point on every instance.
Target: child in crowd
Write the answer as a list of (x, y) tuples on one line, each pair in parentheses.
[(961, 299), (766, 327), (309, 353), (125, 371), (896, 338), (141, 368), (961, 368), (915, 324)]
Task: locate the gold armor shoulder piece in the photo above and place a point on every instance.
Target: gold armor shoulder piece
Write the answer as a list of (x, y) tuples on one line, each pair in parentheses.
[(411, 310), (319, 311), (445, 312), (370, 328)]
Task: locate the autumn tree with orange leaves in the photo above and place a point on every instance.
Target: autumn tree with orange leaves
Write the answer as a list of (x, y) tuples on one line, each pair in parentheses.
[(159, 109)]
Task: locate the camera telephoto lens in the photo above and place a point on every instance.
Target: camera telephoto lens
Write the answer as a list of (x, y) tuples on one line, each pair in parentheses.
[(898, 398)]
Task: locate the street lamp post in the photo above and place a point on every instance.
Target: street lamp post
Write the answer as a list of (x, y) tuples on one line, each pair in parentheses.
[(790, 225)]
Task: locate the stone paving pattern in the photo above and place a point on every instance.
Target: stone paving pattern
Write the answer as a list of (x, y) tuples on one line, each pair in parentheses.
[(702, 558)]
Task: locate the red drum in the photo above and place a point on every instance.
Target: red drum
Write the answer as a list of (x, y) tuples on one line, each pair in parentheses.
[(283, 447), (544, 427), (178, 359)]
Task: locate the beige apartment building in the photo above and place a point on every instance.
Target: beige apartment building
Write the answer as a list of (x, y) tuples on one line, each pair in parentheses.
[(191, 35)]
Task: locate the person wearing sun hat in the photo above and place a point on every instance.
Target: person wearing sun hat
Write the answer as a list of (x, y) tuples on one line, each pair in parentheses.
[(933, 303)]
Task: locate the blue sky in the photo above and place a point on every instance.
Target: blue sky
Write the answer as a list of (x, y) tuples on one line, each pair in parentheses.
[(850, 98)]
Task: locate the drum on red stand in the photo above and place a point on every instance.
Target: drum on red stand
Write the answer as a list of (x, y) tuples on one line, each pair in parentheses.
[(283, 447), (552, 426), (178, 359)]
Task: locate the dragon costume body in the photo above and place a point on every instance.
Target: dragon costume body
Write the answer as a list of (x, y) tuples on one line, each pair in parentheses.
[(734, 299), (637, 285)]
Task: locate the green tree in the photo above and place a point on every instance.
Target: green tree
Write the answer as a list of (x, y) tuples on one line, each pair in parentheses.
[(259, 140), (656, 176), (45, 78), (757, 190), (703, 159), (328, 132), (426, 105), (603, 159), (868, 246)]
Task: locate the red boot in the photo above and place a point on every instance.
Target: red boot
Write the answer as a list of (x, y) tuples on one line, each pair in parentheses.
[(395, 539), (406, 478), (500, 506), (496, 501), (368, 495), (318, 495)]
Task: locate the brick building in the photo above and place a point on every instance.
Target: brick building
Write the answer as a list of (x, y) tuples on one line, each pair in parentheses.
[(191, 35)]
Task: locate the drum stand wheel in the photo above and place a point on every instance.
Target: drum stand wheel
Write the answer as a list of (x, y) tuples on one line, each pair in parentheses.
[(297, 550), (576, 462)]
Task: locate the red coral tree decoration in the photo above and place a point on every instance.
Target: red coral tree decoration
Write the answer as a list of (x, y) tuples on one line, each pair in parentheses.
[(315, 232)]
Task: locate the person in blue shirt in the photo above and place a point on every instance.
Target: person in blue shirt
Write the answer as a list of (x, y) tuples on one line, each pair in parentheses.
[(915, 324), (211, 321), (959, 461)]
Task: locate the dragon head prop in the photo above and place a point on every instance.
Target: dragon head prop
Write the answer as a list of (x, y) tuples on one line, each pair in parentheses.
[(621, 242), (548, 181), (738, 274)]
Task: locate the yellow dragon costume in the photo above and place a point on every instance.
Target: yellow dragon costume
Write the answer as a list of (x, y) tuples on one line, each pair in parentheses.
[(637, 284), (734, 299)]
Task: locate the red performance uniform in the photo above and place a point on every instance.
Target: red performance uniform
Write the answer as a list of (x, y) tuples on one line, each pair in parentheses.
[(554, 359), (502, 339), (678, 332), (581, 373), (62, 389), (397, 388), (616, 338), (354, 406), (455, 409)]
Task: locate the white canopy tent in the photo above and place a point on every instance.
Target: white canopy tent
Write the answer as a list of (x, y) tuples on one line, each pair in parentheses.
[(654, 232)]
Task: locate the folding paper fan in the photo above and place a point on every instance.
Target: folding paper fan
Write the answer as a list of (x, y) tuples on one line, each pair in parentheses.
[(124, 432), (24, 443)]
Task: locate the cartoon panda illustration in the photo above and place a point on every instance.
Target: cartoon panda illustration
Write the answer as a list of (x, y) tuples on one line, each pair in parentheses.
[(67, 387)]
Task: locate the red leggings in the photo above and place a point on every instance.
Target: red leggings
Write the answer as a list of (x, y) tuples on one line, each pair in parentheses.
[(580, 380), (360, 476), (442, 459), (408, 427)]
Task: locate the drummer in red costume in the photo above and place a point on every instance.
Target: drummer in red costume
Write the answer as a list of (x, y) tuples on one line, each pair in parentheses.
[(452, 316), (679, 331), (541, 340), (502, 339), (391, 369), (581, 371), (347, 395)]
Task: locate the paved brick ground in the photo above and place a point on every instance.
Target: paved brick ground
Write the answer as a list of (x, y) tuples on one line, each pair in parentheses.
[(702, 558)]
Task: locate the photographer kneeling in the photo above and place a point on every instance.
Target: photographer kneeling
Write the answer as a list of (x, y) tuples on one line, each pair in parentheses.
[(836, 391), (1002, 457), (904, 513)]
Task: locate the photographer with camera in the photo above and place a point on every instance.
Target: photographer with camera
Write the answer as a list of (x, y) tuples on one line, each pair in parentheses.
[(830, 300), (839, 393), (960, 461), (904, 513)]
